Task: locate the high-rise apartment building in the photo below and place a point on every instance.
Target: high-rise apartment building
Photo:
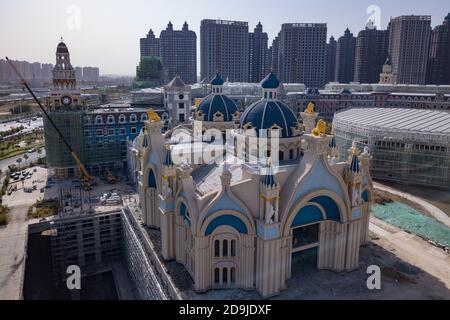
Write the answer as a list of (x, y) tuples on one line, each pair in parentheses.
[(178, 50), (345, 57), (150, 45), (439, 60), (409, 43), (302, 53), (224, 48), (371, 53), (273, 57), (331, 59), (258, 59)]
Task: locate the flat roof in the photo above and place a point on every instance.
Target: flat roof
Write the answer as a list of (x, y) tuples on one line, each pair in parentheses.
[(414, 120)]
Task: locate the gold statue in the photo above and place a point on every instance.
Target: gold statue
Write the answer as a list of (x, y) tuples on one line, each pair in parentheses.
[(310, 108), (153, 116), (320, 129)]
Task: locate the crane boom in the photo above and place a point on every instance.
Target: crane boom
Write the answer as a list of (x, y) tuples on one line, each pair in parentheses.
[(83, 170)]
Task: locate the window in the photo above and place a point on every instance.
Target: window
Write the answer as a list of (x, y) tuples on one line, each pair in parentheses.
[(233, 275), (181, 105), (233, 248), (225, 275), (217, 248), (99, 133), (122, 118), (144, 117), (87, 133), (133, 118), (110, 119), (98, 120), (181, 97), (216, 276), (225, 248), (181, 116), (111, 132), (122, 131), (291, 154), (133, 130)]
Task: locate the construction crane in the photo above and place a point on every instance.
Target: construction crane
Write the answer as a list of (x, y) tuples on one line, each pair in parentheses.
[(86, 177)]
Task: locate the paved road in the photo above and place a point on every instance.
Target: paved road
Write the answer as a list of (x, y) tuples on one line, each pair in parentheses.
[(7, 162)]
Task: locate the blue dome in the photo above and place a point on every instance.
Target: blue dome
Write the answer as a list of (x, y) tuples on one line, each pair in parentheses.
[(217, 103), (270, 82), (217, 80), (263, 115)]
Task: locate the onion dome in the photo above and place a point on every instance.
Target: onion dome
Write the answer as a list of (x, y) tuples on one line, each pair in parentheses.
[(217, 80), (215, 104), (62, 48), (269, 115), (270, 82)]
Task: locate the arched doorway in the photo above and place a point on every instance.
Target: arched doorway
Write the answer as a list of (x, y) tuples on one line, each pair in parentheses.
[(305, 230)]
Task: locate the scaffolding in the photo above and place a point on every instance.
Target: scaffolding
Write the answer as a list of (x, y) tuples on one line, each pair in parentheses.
[(409, 146)]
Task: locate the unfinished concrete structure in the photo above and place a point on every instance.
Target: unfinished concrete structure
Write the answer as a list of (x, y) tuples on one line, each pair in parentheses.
[(243, 225)]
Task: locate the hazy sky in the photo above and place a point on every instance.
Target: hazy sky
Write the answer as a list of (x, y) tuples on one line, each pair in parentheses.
[(106, 33)]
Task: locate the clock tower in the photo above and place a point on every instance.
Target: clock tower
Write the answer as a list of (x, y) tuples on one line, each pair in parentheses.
[(65, 96)]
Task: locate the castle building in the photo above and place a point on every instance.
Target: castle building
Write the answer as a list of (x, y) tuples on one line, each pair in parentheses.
[(242, 221)]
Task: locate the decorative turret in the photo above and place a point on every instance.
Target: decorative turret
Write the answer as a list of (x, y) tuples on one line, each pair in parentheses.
[(333, 152), (168, 175), (353, 175), (269, 196)]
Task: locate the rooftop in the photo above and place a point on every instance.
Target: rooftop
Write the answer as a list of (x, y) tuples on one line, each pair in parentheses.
[(412, 120)]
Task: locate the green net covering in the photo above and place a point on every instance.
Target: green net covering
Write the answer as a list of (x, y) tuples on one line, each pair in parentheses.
[(409, 219)]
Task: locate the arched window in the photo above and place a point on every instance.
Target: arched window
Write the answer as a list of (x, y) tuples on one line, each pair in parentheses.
[(225, 248), (87, 120), (233, 248), (217, 248), (122, 118), (133, 118), (225, 276), (217, 276), (144, 117), (110, 119), (281, 156), (233, 275), (98, 120)]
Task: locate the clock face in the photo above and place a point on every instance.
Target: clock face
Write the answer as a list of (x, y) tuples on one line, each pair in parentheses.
[(66, 100)]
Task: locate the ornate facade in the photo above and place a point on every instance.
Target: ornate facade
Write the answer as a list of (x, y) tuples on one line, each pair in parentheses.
[(244, 225)]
